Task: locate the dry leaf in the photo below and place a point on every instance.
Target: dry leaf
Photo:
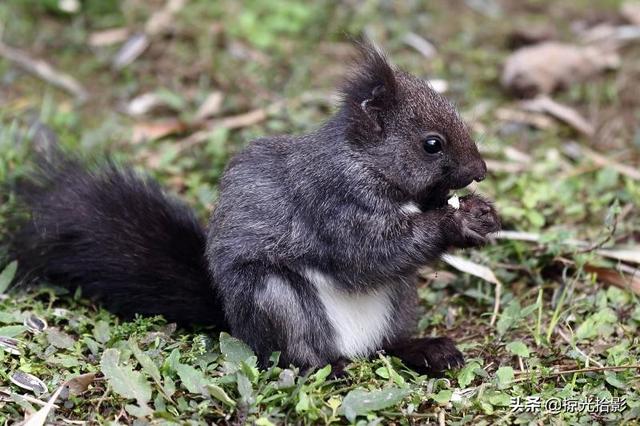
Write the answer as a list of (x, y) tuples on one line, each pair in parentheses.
[(163, 18), (130, 50), (630, 11), (516, 155), (79, 384), (139, 42), (148, 131), (422, 45), (242, 120), (211, 106), (472, 268), (546, 67), (144, 103), (616, 278), (630, 255), (479, 271), (441, 276), (231, 122), (108, 37), (59, 339)]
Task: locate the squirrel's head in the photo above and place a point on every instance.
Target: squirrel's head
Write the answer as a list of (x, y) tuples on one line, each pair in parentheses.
[(407, 131)]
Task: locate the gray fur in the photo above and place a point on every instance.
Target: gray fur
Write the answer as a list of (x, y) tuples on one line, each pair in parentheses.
[(335, 201)]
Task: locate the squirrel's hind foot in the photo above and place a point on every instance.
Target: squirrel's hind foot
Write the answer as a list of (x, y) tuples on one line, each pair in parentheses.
[(430, 355)]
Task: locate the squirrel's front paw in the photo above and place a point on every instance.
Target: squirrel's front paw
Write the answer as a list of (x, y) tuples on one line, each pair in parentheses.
[(475, 218)]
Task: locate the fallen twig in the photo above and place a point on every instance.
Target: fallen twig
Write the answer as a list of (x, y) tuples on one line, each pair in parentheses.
[(575, 347), (533, 119), (31, 399), (576, 371), (40, 417), (575, 150), (617, 253), (44, 71), (564, 113), (231, 122)]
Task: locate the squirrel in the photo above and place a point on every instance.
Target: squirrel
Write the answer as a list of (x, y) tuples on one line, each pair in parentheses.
[(315, 242)]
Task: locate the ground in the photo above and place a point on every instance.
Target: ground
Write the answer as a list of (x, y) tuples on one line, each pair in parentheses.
[(563, 345)]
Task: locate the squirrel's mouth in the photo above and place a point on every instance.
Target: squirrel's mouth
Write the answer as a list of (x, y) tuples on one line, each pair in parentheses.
[(434, 199)]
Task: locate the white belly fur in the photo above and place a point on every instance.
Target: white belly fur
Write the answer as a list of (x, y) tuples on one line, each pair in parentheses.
[(361, 321)]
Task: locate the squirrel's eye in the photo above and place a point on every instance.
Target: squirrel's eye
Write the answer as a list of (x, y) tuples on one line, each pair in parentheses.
[(433, 144)]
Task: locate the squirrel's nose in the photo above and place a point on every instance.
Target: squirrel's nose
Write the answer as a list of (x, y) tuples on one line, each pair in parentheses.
[(481, 172), (473, 170)]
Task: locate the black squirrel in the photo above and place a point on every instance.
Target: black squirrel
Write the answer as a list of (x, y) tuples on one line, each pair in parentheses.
[(314, 245)]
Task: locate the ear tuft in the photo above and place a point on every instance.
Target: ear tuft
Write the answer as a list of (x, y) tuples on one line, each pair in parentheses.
[(371, 84)]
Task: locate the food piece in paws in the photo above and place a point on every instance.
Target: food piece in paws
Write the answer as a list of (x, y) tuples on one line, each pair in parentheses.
[(454, 201)]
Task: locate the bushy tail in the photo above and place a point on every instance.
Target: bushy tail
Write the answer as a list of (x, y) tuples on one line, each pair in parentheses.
[(119, 237)]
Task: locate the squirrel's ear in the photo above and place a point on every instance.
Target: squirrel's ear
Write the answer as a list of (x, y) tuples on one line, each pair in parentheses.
[(371, 86)]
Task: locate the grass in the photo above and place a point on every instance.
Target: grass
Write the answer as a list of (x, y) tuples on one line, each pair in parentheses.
[(563, 330)]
